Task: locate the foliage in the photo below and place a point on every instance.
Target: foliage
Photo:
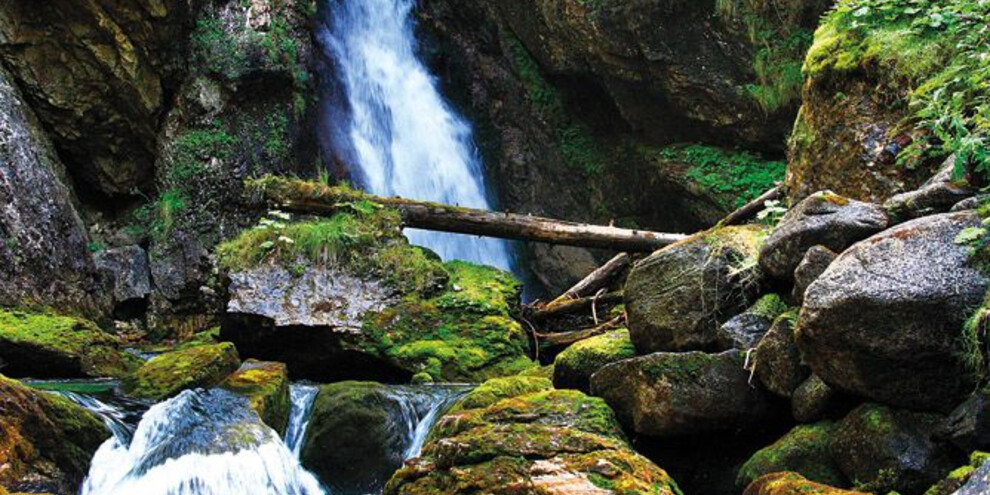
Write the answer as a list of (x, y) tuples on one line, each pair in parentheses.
[(740, 175), (977, 238)]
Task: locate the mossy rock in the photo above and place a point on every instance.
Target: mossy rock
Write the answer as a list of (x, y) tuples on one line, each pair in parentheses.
[(46, 345), (46, 442), (573, 367), (496, 389), (961, 476), (170, 373), (266, 385), (793, 484), (803, 450)]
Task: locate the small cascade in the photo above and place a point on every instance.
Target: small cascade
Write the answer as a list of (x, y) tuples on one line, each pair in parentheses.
[(420, 408), (302, 406), (120, 419), (199, 443)]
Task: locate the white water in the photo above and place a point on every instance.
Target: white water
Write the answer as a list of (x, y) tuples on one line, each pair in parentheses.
[(114, 417), (402, 136), (420, 408), (199, 443), (302, 405)]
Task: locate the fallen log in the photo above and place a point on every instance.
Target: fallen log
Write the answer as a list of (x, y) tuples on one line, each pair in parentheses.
[(322, 199), (595, 281), (749, 210), (564, 339), (575, 305)]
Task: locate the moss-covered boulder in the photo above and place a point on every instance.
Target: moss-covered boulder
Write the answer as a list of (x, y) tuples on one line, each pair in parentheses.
[(670, 394), (46, 442), (970, 479), (46, 345), (573, 367), (803, 450), (496, 389), (793, 484), (553, 441), (170, 373), (350, 298), (777, 360), (884, 449), (887, 319), (678, 297), (266, 385)]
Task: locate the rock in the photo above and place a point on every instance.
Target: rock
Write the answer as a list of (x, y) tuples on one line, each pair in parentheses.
[(937, 195), (777, 359), (825, 219), (968, 426), (45, 345), (963, 476), (266, 385), (886, 449), (170, 373), (803, 450), (815, 262), (677, 298), (496, 389), (970, 203), (128, 268), (668, 394), (977, 482), (887, 319), (573, 367), (792, 484), (745, 330), (811, 400), (46, 442), (554, 441)]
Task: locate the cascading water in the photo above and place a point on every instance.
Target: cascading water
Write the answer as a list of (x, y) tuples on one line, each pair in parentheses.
[(400, 137), (302, 405), (420, 408)]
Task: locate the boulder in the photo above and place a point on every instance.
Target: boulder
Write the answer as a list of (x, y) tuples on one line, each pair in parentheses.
[(573, 367), (937, 195), (885, 449), (128, 268), (792, 484), (812, 266), (168, 374), (745, 330), (496, 389), (668, 394), (970, 203), (824, 218), (46, 345), (46, 442), (968, 426), (677, 298), (266, 385), (777, 359), (811, 400), (977, 480), (803, 450), (887, 319), (554, 441)]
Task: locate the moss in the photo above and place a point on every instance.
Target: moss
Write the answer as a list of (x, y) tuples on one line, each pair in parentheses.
[(540, 372), (791, 484), (574, 366), (803, 450), (168, 374), (266, 385), (75, 347), (736, 177), (496, 389), (770, 307)]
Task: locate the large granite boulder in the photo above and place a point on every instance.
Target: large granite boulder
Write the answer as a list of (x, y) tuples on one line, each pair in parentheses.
[(169, 374), (670, 394), (887, 320), (677, 298), (824, 219)]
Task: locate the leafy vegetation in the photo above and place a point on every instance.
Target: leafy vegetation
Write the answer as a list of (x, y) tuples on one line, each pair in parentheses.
[(739, 175)]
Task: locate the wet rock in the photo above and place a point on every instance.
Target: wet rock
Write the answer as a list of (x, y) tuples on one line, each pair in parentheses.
[(46, 442), (169, 374), (815, 262), (777, 359), (266, 385), (825, 219), (803, 450), (573, 367), (970, 476), (977, 482), (811, 400), (886, 449), (968, 426), (937, 195), (677, 298), (887, 319), (46, 345), (131, 275), (745, 330), (667, 394), (792, 484)]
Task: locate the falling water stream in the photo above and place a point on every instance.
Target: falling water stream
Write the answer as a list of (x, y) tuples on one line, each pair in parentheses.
[(392, 127)]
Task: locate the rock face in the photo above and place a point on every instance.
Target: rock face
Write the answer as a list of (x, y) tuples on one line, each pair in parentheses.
[(39, 345), (266, 385), (557, 441), (803, 450), (667, 394), (824, 219), (131, 275), (777, 359), (169, 374), (573, 367), (46, 442), (886, 320), (677, 298), (792, 484)]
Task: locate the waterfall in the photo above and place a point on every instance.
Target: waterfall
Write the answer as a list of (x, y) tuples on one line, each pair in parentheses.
[(420, 408), (302, 405), (399, 136), (117, 417), (199, 443)]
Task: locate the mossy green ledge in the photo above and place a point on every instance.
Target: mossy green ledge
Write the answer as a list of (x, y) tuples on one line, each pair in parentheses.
[(169, 374), (266, 385), (48, 345)]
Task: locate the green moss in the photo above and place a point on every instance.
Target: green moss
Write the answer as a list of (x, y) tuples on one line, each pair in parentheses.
[(574, 366), (94, 352), (168, 374), (735, 176), (770, 307), (496, 389), (266, 385), (803, 450)]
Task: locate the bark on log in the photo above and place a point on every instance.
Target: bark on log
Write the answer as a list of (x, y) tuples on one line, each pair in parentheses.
[(749, 210), (319, 199), (575, 305), (565, 339), (595, 281)]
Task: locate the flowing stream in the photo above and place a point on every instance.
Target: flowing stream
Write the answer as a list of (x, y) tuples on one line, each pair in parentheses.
[(389, 124)]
